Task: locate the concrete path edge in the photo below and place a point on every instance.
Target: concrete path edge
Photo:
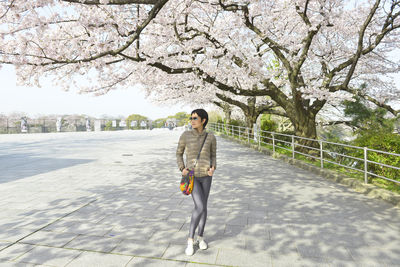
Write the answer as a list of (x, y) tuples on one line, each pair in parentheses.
[(358, 186)]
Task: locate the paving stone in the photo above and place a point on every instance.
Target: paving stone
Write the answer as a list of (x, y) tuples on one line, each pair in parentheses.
[(384, 255), (16, 264), (320, 250), (121, 220), (61, 225), (131, 233), (281, 247), (137, 261), (33, 224), (256, 230), (93, 243), (13, 234), (177, 252), (141, 248), (88, 228), (49, 256), (83, 217), (190, 264), (257, 244), (128, 208), (173, 237), (49, 238), (251, 221), (99, 259), (180, 215), (342, 263), (14, 251), (236, 220), (285, 259), (234, 230), (309, 262), (4, 244), (226, 242), (243, 258), (373, 263)]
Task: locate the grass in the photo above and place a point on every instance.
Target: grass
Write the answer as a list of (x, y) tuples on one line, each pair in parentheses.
[(382, 183)]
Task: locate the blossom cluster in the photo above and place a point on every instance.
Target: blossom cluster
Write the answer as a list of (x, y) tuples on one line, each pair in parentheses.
[(260, 41)]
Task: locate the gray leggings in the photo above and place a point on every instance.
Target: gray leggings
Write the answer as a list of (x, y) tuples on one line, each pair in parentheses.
[(201, 190)]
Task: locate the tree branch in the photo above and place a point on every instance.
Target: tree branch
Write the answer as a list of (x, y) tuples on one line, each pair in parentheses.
[(270, 109), (275, 47), (8, 8), (276, 94), (231, 101), (113, 2), (330, 123), (376, 102), (317, 105), (151, 15), (357, 56), (307, 43), (303, 14), (386, 29)]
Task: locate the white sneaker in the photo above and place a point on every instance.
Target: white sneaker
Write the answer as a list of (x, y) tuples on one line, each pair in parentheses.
[(189, 250), (202, 244)]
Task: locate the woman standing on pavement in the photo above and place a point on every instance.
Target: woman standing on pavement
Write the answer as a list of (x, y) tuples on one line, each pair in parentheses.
[(190, 142)]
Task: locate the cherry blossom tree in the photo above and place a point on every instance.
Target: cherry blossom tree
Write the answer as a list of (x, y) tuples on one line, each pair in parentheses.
[(302, 54)]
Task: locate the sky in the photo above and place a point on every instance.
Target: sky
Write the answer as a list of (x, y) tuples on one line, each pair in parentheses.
[(34, 101)]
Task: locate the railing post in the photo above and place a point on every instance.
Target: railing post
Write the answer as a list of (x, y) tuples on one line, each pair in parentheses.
[(365, 165), (321, 154), (273, 144), (259, 138), (239, 132), (248, 135), (293, 146)]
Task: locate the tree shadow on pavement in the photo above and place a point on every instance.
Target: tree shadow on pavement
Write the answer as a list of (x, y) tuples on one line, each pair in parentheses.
[(26, 165), (259, 207)]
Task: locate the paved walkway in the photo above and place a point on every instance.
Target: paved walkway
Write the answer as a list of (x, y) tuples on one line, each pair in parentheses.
[(112, 199)]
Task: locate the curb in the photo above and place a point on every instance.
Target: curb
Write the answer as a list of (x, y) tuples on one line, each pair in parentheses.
[(358, 186)]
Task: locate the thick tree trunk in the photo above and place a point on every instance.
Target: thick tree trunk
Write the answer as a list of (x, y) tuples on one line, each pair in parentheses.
[(227, 112), (250, 120), (251, 115), (305, 126)]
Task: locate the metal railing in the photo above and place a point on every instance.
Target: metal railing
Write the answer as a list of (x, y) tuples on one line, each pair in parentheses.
[(357, 158)]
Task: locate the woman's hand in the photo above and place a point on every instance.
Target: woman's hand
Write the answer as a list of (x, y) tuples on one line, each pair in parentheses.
[(211, 171), (185, 172)]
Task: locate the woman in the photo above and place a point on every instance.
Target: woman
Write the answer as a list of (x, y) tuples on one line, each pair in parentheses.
[(190, 142)]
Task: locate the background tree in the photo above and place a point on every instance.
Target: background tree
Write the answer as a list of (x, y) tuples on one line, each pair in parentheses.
[(182, 118), (368, 119), (159, 123), (135, 117)]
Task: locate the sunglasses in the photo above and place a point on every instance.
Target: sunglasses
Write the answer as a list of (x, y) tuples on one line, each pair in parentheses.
[(193, 118)]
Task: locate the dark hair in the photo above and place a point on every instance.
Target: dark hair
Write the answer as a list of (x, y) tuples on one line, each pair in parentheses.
[(202, 114)]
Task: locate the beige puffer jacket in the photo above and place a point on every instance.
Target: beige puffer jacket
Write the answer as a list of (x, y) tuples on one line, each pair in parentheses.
[(190, 143)]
